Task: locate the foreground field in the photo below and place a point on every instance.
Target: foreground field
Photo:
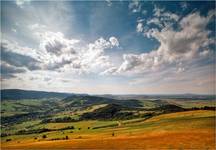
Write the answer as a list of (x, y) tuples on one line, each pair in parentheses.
[(182, 130)]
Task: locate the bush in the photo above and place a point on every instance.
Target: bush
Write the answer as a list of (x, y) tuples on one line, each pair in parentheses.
[(66, 128), (7, 140), (113, 134), (66, 137), (44, 136)]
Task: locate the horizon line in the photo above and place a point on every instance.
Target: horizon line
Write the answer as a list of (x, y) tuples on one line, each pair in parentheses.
[(108, 93)]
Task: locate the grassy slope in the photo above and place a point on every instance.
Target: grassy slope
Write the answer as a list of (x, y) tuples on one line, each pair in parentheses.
[(183, 130)]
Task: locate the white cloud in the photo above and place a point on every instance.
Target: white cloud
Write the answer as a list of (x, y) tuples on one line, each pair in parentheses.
[(139, 27), (14, 30), (135, 6), (22, 50), (20, 3), (56, 52), (109, 3), (93, 56), (55, 43), (175, 47), (114, 41), (155, 21), (111, 70), (162, 18), (36, 26)]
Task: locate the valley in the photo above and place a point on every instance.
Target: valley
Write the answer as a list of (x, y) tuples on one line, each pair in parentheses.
[(98, 122)]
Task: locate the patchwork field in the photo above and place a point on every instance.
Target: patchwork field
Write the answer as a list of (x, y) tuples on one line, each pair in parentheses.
[(180, 130)]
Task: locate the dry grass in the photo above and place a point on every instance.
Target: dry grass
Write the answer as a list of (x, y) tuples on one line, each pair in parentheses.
[(184, 130)]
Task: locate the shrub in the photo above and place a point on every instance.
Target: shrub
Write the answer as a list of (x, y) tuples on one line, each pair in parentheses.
[(113, 134), (7, 140), (44, 136), (66, 137)]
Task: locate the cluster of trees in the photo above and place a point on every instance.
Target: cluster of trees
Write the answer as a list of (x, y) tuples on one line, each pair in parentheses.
[(5, 134), (105, 126), (64, 138), (59, 120), (36, 131), (19, 118), (202, 108)]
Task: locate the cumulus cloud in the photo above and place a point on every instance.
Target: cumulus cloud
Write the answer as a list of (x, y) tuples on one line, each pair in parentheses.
[(186, 44), (162, 18), (56, 43), (139, 27), (93, 57), (58, 53), (114, 41)]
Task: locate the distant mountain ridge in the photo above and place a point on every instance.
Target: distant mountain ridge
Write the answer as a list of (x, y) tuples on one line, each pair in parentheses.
[(17, 94), (161, 96)]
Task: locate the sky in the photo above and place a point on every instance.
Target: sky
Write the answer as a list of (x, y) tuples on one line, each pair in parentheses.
[(108, 47)]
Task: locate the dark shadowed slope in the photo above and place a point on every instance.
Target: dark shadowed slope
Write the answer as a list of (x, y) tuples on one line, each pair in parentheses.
[(87, 100)]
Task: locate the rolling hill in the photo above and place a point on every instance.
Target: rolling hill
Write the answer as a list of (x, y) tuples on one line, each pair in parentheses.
[(17, 94)]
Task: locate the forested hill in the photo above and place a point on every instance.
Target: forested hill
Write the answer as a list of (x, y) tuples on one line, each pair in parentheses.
[(17, 94)]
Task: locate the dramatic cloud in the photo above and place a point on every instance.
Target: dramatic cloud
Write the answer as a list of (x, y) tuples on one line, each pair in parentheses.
[(18, 60), (93, 56), (55, 43), (70, 46), (55, 52), (8, 71), (176, 47)]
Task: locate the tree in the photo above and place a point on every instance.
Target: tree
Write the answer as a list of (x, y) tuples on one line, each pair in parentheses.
[(66, 137), (7, 140), (113, 134)]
